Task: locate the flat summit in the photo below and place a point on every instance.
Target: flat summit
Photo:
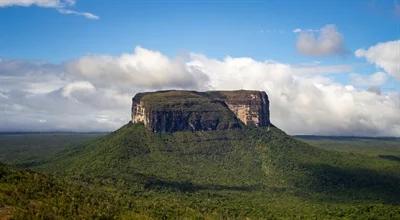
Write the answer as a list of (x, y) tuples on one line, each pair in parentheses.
[(179, 110)]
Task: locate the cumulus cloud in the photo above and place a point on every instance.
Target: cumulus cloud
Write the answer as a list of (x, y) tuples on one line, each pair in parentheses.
[(62, 6), (323, 42), (384, 55), (143, 68), (42, 97), (94, 93), (308, 104)]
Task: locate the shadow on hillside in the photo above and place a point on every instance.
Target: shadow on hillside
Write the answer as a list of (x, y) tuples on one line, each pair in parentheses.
[(185, 186), (353, 184), (390, 157)]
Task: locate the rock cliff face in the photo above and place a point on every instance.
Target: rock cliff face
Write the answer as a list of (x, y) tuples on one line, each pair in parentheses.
[(251, 107), (169, 111)]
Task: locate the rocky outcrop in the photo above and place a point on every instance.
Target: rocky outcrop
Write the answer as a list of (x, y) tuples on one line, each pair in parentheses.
[(170, 111), (251, 107)]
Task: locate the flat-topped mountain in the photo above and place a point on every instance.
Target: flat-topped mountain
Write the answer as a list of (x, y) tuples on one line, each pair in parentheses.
[(179, 110), (206, 155)]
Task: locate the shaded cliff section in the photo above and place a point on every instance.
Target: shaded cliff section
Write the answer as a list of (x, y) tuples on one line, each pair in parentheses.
[(180, 110)]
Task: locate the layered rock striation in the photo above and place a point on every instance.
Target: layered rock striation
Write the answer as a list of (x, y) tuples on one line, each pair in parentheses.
[(177, 110), (251, 107)]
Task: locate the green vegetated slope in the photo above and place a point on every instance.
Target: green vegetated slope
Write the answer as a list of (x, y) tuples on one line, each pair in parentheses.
[(26, 194), (251, 172)]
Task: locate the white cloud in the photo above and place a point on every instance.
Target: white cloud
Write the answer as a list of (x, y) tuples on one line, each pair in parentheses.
[(39, 3), (373, 80), (94, 92), (72, 12), (297, 30), (78, 87), (310, 104), (143, 68), (31, 77), (318, 69), (62, 6), (385, 55), (323, 42)]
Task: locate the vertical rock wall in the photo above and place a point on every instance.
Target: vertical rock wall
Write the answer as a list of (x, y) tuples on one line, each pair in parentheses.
[(139, 114), (169, 111), (251, 107)]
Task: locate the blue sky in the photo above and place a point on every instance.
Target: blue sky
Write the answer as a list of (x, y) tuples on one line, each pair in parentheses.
[(63, 32), (259, 29)]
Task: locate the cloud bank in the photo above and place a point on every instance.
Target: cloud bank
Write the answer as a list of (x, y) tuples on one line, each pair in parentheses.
[(94, 92), (323, 42), (62, 6)]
